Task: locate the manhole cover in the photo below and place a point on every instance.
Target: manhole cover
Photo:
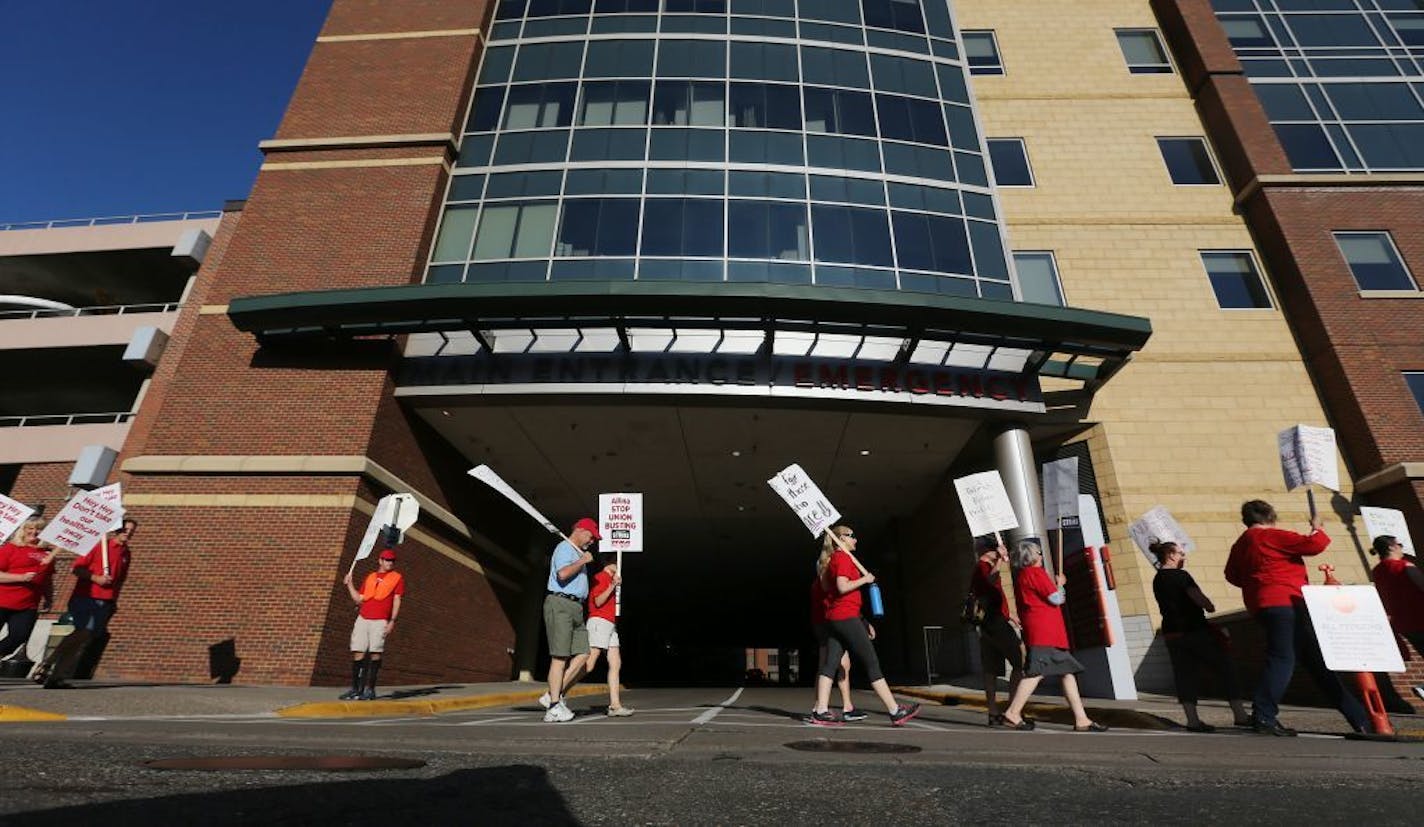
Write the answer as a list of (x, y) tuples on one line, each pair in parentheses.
[(329, 763), (872, 747)]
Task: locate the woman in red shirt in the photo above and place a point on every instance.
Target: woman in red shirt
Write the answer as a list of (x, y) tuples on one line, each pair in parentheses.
[(25, 586), (1401, 588), (818, 628), (1039, 599), (841, 579)]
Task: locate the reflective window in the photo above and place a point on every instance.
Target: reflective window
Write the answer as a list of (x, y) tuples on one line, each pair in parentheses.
[(614, 103), (515, 231), (834, 67), (763, 61), (1188, 161), (1235, 280), (910, 119), (548, 61), (597, 181), (902, 15), (687, 145), (598, 227), (550, 8), (484, 113), (769, 8), (1374, 261), (839, 111), (608, 145), (452, 243), (692, 58), (848, 190), (689, 103), (1038, 278), (782, 148), (536, 105), (852, 235), (1307, 147), (981, 50), (899, 74), (842, 153), (532, 147), (1414, 380), (623, 6), (619, 59), (768, 184), (932, 242), (685, 182), (764, 106), (1143, 51), (837, 11), (682, 227), (696, 6), (1009, 157), (767, 229)]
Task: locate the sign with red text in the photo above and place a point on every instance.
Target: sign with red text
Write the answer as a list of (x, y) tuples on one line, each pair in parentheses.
[(620, 521), (805, 498), (84, 520), (1308, 456), (986, 504), (1353, 629), (12, 514)]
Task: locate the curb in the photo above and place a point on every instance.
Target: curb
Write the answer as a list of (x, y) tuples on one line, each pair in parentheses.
[(376, 709), (1053, 713), (20, 714)]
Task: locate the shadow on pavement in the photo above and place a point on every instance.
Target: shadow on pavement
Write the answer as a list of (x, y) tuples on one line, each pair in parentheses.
[(515, 794), (417, 693)]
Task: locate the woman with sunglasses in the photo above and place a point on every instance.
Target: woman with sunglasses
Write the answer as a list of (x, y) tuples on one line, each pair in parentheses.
[(25, 584)]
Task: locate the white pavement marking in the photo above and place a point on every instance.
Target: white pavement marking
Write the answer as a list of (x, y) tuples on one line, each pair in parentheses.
[(714, 711)]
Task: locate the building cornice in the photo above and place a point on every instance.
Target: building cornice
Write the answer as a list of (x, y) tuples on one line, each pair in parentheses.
[(1335, 180), (1391, 475)]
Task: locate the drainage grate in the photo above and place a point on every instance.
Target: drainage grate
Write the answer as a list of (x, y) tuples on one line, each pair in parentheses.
[(860, 747), (328, 763)]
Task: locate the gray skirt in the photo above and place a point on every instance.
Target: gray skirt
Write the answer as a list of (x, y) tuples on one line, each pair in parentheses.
[(1046, 661)]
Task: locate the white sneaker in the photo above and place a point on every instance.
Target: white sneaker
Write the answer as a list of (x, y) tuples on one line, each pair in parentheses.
[(558, 713), (619, 711), (545, 701)]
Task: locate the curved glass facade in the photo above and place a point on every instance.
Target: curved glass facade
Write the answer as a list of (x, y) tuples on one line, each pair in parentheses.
[(827, 142)]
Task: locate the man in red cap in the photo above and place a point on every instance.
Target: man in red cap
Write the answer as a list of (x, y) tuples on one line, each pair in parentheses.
[(563, 615), (380, 602)]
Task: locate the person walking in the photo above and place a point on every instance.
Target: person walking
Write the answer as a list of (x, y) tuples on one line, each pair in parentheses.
[(1040, 602), (96, 596), (26, 587), (999, 643), (821, 632), (603, 634), (1192, 643), (564, 625), (1400, 584), (842, 579), (1268, 565), (380, 602)]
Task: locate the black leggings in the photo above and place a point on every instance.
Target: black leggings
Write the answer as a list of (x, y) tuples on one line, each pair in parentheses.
[(20, 623), (850, 636)]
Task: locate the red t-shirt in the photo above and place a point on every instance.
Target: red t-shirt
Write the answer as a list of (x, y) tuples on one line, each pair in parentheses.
[(1403, 601), (609, 610), (1268, 565), (1042, 621), (380, 609), (841, 606), (17, 559), (818, 602), (987, 586), (93, 562)]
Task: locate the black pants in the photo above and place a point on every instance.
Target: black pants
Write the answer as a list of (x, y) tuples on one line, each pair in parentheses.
[(1193, 651), (1289, 635), (850, 636), (19, 623)]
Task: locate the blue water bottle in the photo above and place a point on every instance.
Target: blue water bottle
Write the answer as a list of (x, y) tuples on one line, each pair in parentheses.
[(877, 605)]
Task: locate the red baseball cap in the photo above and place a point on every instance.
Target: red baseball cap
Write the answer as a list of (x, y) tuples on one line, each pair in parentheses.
[(588, 524), (388, 555)]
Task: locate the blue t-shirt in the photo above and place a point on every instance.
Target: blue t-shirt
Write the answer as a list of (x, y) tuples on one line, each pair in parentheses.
[(577, 586)]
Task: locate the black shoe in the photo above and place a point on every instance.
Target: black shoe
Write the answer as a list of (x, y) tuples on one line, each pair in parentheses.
[(1202, 727), (1024, 725), (349, 695), (1272, 728), (997, 720), (826, 718), (903, 713), (368, 695), (852, 715)]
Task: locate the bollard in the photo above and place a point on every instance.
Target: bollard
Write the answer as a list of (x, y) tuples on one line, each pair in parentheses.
[(1369, 690)]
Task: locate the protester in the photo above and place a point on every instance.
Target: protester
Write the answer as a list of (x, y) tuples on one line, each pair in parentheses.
[(26, 587), (1268, 565), (1401, 589), (96, 596), (841, 580), (603, 634), (1040, 600), (1192, 643), (999, 643), (380, 602), (564, 615), (848, 712)]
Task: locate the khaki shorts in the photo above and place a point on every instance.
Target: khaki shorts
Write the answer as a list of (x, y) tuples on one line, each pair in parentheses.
[(368, 635), (563, 624), (602, 634)]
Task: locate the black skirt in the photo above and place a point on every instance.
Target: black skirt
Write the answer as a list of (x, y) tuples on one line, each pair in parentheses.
[(1046, 661)]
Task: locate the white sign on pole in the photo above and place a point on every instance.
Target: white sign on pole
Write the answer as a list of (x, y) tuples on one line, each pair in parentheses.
[(399, 510), (1353, 629), (83, 521), (113, 495), (1158, 525), (1308, 456), (1387, 521), (986, 503), (1060, 490), (799, 492), (620, 521), (12, 515)]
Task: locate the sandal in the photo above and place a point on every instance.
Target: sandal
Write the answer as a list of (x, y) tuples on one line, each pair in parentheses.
[(1023, 725), (1091, 727)]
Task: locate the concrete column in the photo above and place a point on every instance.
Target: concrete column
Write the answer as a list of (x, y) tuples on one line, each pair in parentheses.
[(1013, 454), (531, 607)]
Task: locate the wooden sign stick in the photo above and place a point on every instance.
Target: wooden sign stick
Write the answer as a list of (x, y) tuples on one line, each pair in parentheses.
[(1059, 569), (105, 552)]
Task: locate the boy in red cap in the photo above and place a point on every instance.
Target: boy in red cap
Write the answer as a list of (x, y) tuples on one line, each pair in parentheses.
[(563, 615), (380, 602)]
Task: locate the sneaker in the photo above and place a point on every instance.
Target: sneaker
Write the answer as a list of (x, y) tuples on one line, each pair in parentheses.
[(619, 711), (546, 701), (368, 695), (903, 714), (852, 715), (558, 713), (349, 695), (826, 718)]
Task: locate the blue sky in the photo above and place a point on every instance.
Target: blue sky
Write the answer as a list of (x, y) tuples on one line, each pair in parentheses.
[(117, 107)]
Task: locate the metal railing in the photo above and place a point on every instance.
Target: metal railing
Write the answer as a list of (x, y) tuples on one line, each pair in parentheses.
[(107, 220), (99, 310), (37, 420)]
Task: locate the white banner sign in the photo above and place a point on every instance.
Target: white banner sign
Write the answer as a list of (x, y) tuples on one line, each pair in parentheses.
[(620, 521), (1353, 629), (1060, 491), (12, 514), (400, 510), (1386, 521), (1308, 456), (81, 524), (986, 503), (799, 492), (1158, 525)]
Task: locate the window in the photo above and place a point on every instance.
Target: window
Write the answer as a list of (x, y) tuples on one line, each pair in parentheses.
[(1235, 280), (765, 106), (1038, 278), (1143, 51), (903, 15), (536, 105), (614, 103), (834, 67), (1374, 261), (839, 111), (619, 59), (453, 241), (548, 61), (515, 231), (1415, 381), (1188, 161), (763, 61), (767, 229), (484, 114), (682, 227), (598, 227), (1009, 158), (692, 59), (910, 119), (852, 235), (899, 74), (689, 103), (982, 50), (932, 242)]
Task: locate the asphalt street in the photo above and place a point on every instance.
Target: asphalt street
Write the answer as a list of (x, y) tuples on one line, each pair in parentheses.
[(696, 756)]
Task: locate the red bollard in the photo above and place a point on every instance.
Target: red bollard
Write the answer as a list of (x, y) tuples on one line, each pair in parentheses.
[(1369, 690)]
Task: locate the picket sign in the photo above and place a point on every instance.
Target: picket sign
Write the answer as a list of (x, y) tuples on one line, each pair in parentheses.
[(620, 521), (13, 514), (1353, 629), (1158, 525), (986, 503), (1308, 456), (1387, 521), (399, 510), (1060, 498), (85, 520), (800, 492)]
